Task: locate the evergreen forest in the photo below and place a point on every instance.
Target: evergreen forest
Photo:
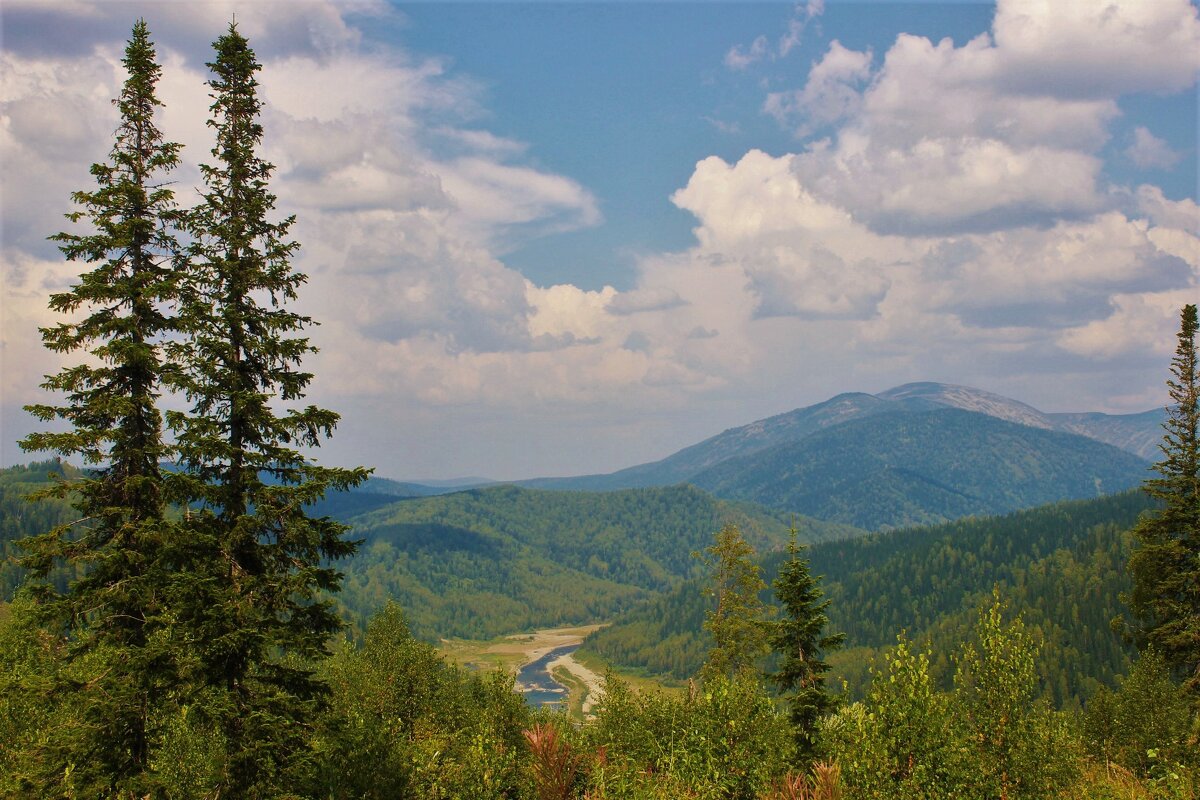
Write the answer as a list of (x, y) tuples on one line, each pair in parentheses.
[(194, 607)]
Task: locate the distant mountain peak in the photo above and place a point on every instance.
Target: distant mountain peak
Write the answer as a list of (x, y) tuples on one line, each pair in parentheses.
[(1134, 433), (970, 399)]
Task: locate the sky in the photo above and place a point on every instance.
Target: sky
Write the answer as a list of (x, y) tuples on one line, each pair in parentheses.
[(564, 238)]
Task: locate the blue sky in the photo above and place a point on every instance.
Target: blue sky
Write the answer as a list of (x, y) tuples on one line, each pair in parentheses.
[(555, 238)]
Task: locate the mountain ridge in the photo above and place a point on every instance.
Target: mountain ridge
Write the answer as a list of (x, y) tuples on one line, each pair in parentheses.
[(1135, 433), (914, 468)]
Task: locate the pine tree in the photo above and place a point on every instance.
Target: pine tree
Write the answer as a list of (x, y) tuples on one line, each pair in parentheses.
[(115, 610), (738, 623), (1166, 563), (799, 640), (253, 609)]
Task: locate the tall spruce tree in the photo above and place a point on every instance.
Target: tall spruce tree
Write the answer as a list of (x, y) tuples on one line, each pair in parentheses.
[(801, 643), (253, 609), (738, 624), (114, 613), (1166, 562)]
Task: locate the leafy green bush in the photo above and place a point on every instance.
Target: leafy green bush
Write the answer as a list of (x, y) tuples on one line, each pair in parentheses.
[(404, 723), (1019, 747), (726, 740), (903, 740), (1144, 725)]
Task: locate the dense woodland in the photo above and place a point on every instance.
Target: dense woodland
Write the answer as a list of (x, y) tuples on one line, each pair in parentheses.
[(537, 558), (892, 470), (173, 630), (1060, 566)]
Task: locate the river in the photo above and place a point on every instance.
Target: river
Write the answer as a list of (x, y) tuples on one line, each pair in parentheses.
[(536, 684)]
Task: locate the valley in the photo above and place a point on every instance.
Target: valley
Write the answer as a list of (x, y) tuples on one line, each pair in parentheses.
[(514, 653), (914, 519)]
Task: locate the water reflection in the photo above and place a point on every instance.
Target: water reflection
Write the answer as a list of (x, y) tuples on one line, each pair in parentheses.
[(536, 684)]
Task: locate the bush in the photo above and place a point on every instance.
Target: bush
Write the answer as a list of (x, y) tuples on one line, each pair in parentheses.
[(404, 723), (1020, 748), (726, 740), (902, 741)]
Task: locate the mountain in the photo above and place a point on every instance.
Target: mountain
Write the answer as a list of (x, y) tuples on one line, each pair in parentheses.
[(913, 468), (1061, 566), (374, 493), (967, 399), (493, 560), (20, 518), (743, 441), (874, 476), (485, 561), (1139, 434)]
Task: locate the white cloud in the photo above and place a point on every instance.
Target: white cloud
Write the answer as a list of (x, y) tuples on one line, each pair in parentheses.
[(832, 92), (946, 139), (952, 184), (739, 57), (400, 243), (1181, 215), (494, 198), (954, 224), (657, 298), (1084, 48), (804, 13), (1148, 151), (1141, 323)]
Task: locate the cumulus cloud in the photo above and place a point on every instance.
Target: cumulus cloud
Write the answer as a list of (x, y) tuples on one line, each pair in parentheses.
[(740, 57), (1140, 323), (951, 185), (1003, 130), (1080, 48), (951, 222), (832, 92), (1149, 151), (404, 203), (656, 298)]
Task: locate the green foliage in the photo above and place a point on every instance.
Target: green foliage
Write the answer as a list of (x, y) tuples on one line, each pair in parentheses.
[(800, 642), (20, 518), (724, 741), (738, 622), (1145, 723), (903, 740), (896, 469), (992, 737), (403, 723), (1061, 567), (1166, 564), (537, 558), (1019, 747), (117, 545), (253, 571)]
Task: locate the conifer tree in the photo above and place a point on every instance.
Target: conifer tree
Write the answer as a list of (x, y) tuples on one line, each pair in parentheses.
[(1166, 563), (738, 623), (801, 644), (252, 609), (115, 610)]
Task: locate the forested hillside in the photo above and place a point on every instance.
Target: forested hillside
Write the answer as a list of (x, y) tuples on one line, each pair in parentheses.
[(1061, 566), (20, 518), (530, 558), (732, 454), (535, 558), (893, 470)]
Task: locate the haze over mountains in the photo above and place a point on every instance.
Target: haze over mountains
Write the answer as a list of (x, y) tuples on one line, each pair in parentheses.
[(916, 454)]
